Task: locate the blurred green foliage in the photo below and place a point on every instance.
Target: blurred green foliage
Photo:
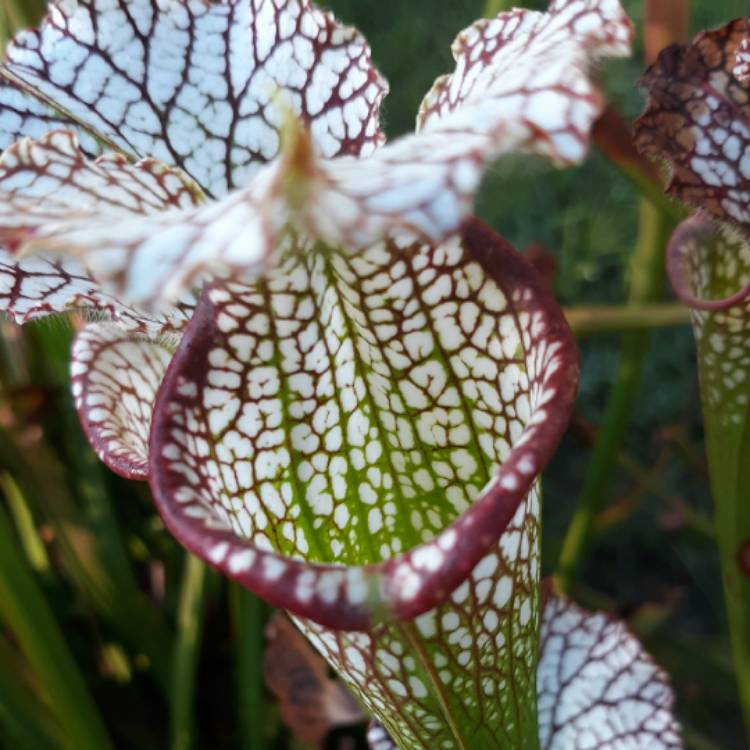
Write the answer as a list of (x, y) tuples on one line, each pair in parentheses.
[(126, 620)]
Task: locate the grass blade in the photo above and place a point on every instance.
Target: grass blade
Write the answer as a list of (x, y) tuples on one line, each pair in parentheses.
[(25, 721), (93, 553), (26, 613), (33, 547)]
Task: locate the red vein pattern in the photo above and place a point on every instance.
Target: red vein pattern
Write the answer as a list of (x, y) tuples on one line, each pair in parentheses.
[(53, 171), (54, 199), (392, 411), (142, 229), (48, 284), (38, 286), (444, 680), (528, 90), (23, 115), (709, 267), (521, 85), (148, 80), (204, 86), (698, 121), (539, 63), (115, 377), (355, 437), (453, 374), (598, 689)]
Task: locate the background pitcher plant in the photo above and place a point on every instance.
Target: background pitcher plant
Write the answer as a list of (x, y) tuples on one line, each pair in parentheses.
[(697, 122)]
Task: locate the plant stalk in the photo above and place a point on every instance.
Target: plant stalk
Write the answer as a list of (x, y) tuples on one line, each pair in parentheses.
[(587, 321), (190, 616), (728, 448), (646, 284), (249, 614)]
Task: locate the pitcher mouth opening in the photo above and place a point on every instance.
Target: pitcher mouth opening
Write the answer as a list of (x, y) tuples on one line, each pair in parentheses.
[(689, 265), (362, 578)]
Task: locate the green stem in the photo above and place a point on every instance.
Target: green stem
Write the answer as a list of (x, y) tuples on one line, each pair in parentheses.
[(725, 390), (728, 450), (190, 615), (21, 719), (27, 614), (586, 321), (646, 283), (249, 616)]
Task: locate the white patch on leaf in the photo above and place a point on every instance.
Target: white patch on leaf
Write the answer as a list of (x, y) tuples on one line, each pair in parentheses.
[(203, 86), (115, 378), (742, 61), (142, 230), (596, 686), (39, 286), (698, 121), (521, 84)]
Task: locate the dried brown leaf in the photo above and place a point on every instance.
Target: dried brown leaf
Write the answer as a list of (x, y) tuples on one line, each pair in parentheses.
[(312, 703)]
